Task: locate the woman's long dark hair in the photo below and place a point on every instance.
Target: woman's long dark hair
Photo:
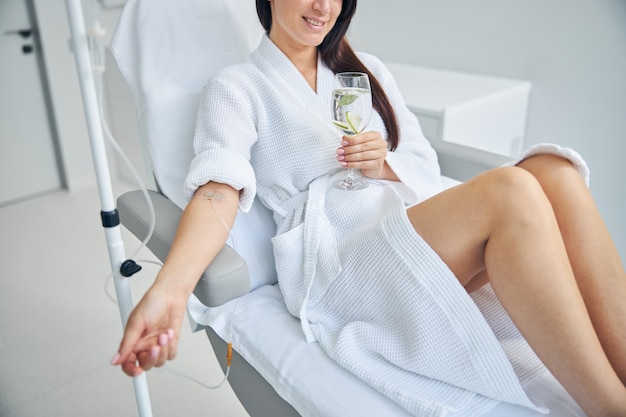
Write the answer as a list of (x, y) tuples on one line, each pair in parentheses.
[(337, 54)]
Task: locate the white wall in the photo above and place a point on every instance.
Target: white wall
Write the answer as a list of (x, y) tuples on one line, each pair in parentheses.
[(65, 93), (573, 52), (65, 90)]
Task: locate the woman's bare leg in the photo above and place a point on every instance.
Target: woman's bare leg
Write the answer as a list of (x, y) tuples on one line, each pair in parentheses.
[(503, 223), (592, 253)]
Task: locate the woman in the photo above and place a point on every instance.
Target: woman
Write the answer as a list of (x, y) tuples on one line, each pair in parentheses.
[(368, 276)]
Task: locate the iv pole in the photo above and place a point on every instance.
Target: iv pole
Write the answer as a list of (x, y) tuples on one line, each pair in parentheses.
[(109, 214)]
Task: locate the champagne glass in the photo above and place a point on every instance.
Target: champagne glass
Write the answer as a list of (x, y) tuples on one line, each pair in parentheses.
[(352, 110)]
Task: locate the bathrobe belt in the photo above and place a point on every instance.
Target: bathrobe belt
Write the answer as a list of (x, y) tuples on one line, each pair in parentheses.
[(315, 199)]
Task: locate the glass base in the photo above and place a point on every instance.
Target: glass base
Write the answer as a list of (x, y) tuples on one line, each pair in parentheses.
[(351, 185)]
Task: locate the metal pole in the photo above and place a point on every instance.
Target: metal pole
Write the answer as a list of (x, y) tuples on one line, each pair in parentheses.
[(110, 218)]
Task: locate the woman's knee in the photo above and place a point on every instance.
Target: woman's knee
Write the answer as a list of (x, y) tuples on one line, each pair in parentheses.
[(561, 182), (514, 191), (511, 183), (549, 168)]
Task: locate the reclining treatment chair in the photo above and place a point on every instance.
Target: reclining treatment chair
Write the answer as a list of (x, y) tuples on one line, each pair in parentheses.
[(166, 50)]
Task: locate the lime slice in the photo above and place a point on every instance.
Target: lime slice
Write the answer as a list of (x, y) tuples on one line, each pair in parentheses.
[(341, 125), (354, 120)]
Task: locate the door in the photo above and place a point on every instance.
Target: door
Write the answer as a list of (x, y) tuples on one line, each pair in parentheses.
[(28, 158)]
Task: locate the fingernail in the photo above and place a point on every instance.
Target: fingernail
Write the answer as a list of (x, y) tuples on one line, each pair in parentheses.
[(163, 339), (115, 359), (344, 164), (340, 158), (340, 151), (170, 333), (345, 143), (154, 351)]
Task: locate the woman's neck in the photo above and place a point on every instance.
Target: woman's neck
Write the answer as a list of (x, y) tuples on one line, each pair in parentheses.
[(303, 57), (309, 72)]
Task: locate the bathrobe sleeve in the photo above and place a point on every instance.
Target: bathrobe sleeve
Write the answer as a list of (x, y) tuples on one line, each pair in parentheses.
[(225, 133)]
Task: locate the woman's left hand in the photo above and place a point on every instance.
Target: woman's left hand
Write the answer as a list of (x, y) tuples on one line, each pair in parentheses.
[(366, 151)]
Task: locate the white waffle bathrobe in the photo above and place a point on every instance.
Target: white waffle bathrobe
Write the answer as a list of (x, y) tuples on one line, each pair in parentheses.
[(350, 265)]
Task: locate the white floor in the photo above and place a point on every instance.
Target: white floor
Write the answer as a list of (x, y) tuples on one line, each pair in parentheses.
[(59, 329)]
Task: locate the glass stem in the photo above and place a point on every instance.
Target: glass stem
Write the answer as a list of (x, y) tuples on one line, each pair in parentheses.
[(350, 176)]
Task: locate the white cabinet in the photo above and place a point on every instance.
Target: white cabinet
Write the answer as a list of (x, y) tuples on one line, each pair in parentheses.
[(482, 112)]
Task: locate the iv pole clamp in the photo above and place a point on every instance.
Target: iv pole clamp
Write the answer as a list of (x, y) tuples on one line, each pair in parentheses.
[(110, 218)]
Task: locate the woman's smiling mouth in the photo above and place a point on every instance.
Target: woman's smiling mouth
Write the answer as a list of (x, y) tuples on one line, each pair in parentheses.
[(313, 22)]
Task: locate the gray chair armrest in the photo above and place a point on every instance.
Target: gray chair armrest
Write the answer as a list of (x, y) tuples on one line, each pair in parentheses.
[(462, 162), (227, 276)]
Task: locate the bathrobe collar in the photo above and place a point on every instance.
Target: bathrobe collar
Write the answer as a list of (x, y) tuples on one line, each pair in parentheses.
[(284, 74)]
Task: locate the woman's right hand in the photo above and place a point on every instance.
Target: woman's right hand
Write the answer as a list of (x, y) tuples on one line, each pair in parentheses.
[(367, 152), (152, 331)]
